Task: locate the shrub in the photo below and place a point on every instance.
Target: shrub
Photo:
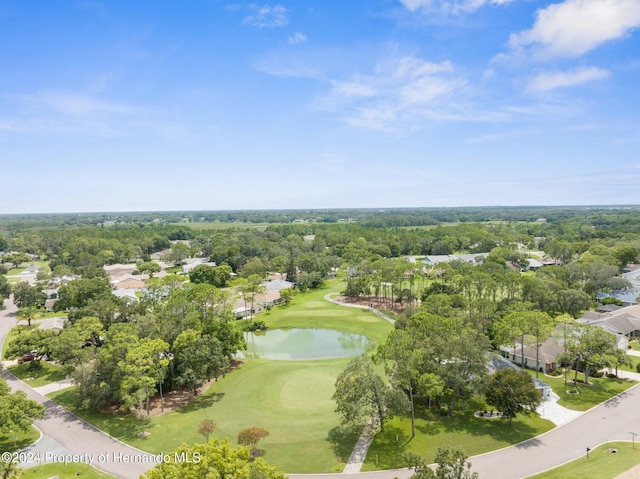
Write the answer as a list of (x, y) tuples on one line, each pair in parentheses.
[(256, 326), (638, 367), (596, 374)]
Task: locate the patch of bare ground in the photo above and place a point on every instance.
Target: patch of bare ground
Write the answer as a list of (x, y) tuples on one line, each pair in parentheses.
[(381, 304), (175, 398)]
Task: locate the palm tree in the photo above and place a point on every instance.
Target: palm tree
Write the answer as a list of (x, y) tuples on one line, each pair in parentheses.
[(28, 313)]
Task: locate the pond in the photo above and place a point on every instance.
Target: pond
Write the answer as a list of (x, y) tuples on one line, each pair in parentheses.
[(301, 343)]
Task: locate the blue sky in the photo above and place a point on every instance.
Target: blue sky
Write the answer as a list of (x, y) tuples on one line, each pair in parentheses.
[(165, 105)]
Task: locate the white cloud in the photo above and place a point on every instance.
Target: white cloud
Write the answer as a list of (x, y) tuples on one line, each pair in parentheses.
[(79, 105), (267, 16), (561, 79), (448, 6), (296, 38), (400, 94), (574, 27)]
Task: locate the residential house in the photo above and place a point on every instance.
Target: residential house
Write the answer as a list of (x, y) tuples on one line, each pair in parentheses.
[(624, 323), (191, 263), (547, 354)]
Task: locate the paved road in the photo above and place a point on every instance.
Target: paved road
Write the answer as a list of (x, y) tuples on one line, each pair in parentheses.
[(64, 432)]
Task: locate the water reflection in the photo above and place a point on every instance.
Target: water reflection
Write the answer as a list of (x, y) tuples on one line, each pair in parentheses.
[(303, 343)]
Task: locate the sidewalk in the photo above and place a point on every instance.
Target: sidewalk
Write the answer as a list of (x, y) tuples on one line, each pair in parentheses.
[(56, 386)]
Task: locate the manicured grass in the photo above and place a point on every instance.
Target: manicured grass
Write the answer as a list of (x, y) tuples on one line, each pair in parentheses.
[(463, 431), (47, 373), (587, 397), (635, 360), (15, 271), (311, 310), (14, 442), (601, 463), (291, 399), (635, 344), (69, 471)]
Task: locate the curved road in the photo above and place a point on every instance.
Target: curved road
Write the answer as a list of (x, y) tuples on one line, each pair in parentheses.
[(613, 420)]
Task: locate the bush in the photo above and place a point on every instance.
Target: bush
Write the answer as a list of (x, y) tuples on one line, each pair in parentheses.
[(557, 372), (256, 326), (597, 374), (638, 367)]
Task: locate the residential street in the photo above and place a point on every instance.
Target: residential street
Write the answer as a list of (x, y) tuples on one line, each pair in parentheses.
[(611, 421)]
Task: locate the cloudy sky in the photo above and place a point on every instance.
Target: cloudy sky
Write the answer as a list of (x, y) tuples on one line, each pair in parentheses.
[(211, 104)]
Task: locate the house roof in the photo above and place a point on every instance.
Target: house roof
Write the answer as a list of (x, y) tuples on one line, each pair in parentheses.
[(278, 285), (547, 353), (620, 321), (268, 297), (444, 258)]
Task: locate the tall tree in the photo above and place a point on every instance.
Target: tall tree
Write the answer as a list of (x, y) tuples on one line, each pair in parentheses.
[(362, 394)]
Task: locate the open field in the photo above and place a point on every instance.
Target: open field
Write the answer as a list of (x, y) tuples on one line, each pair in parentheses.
[(291, 399), (601, 463)]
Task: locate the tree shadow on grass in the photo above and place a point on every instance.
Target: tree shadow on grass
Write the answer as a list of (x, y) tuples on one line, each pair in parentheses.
[(342, 440), (465, 422), (201, 402), (388, 447)]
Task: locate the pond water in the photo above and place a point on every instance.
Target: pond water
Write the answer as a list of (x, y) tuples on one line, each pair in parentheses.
[(299, 343)]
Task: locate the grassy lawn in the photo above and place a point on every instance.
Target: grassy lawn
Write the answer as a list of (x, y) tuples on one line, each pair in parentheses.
[(601, 464), (69, 471), (635, 360), (463, 431), (291, 399), (14, 442), (310, 310), (15, 271), (599, 391), (635, 344), (9, 337), (47, 373)]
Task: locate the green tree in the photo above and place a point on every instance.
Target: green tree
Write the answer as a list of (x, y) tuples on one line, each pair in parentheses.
[(78, 293), (17, 412), (144, 367), (197, 358), (10, 470), (5, 289), (78, 343), (149, 267), (587, 345), (15, 259), (26, 295), (513, 392), (362, 394), (450, 464), (212, 460)]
